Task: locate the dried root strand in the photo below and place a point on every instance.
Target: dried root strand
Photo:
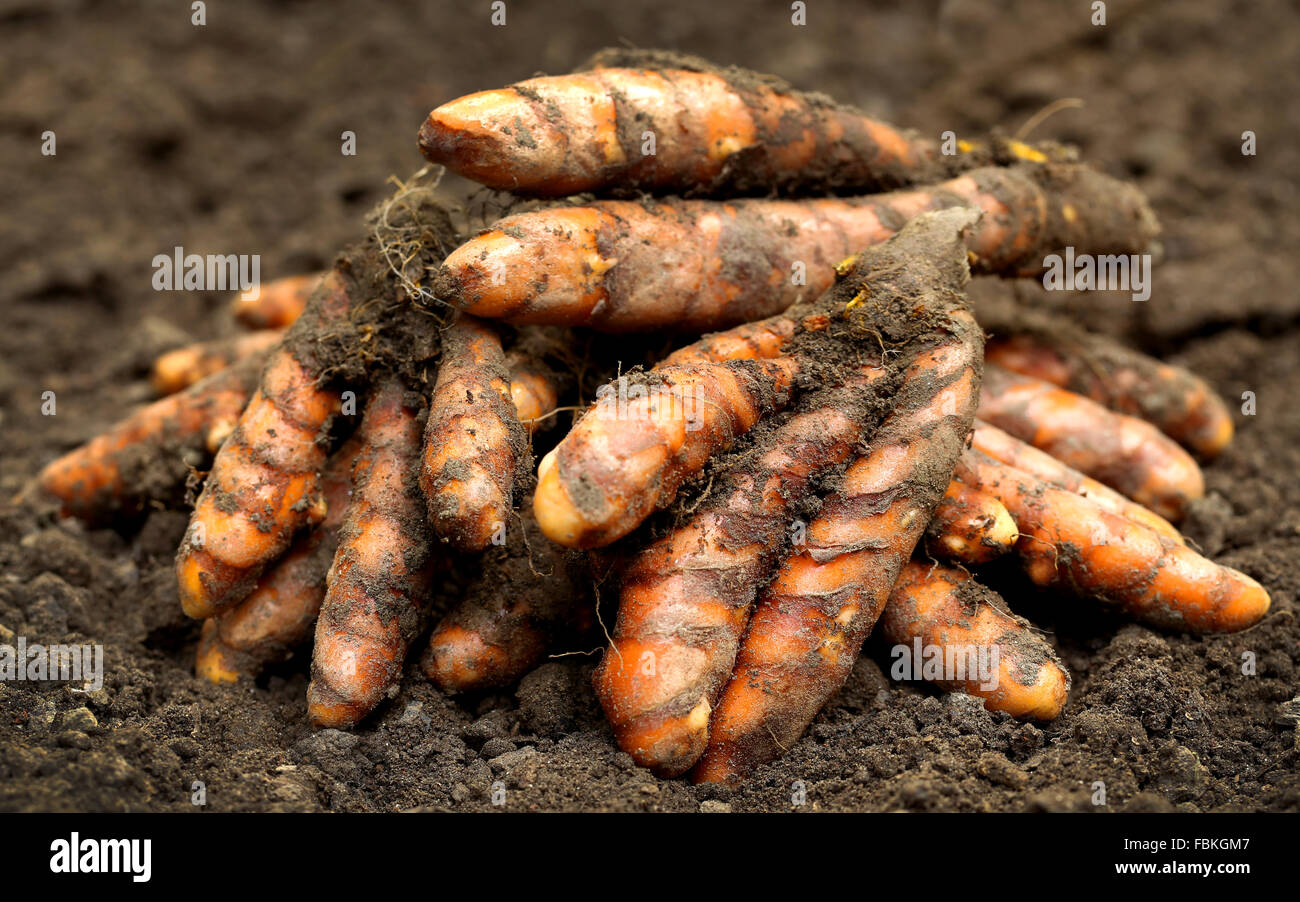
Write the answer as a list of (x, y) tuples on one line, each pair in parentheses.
[(380, 577)]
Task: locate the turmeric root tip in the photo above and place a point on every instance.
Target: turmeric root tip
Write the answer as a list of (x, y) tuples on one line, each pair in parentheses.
[(1069, 542), (179, 369), (970, 527), (646, 434), (534, 389), (943, 611), (279, 303), (529, 594)]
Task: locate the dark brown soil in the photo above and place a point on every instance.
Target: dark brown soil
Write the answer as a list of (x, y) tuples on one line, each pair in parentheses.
[(225, 139)]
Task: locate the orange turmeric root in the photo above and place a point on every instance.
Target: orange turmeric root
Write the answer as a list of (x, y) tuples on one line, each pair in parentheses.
[(939, 613), (144, 454), (279, 303), (530, 592), (811, 620), (759, 340), (1067, 541), (685, 599), (380, 578), (534, 389), (970, 527), (1125, 453), (622, 266), (179, 369), (473, 442), (1179, 403), (630, 453), (713, 130), (279, 614), (265, 484), (1011, 450)]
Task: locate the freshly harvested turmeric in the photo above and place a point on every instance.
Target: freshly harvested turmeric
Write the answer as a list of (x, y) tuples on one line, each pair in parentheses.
[(622, 266), (941, 607), (1125, 453), (634, 121), (379, 581), (1069, 542), (473, 443)]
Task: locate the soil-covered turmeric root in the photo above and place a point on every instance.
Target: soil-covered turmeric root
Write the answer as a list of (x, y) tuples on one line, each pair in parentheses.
[(758, 340), (970, 527), (1127, 454), (651, 121), (940, 617), (265, 482), (144, 456), (1067, 541), (1010, 450), (1170, 397), (380, 577), (279, 303), (623, 266), (810, 622), (474, 443), (279, 614), (534, 390), (529, 594), (645, 435), (179, 369), (685, 599)]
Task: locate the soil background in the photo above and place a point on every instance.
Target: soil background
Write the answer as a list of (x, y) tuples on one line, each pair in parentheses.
[(226, 139)]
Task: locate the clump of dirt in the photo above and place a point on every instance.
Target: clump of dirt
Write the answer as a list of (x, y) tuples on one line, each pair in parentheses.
[(225, 138)]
